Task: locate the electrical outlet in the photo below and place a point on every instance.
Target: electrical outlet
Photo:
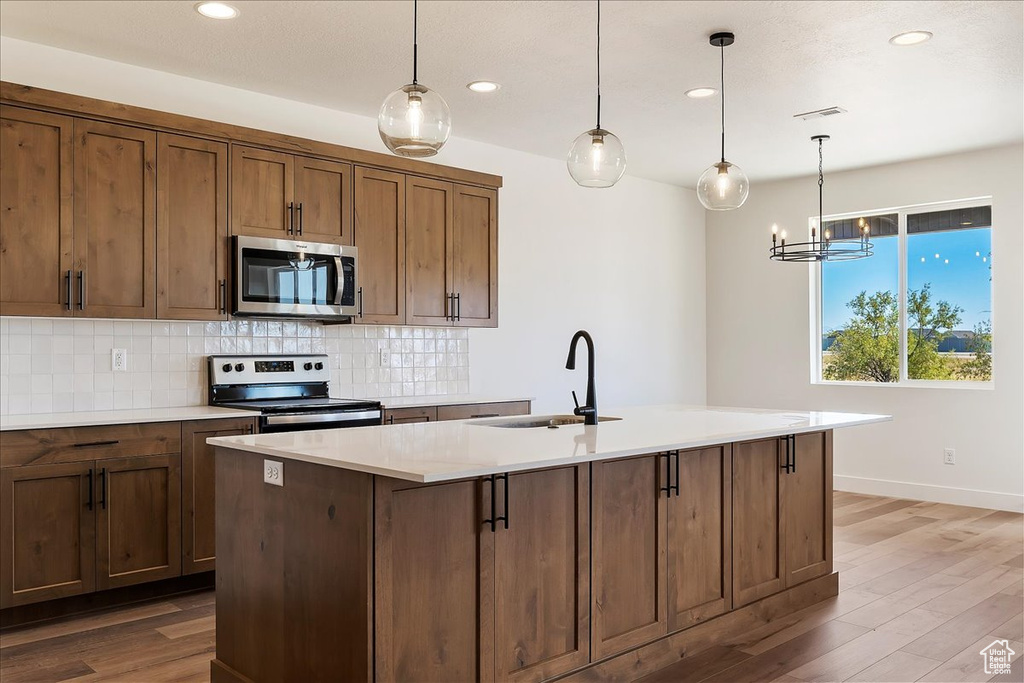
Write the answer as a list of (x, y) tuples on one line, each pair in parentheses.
[(273, 472), (949, 456), (385, 358), (119, 360)]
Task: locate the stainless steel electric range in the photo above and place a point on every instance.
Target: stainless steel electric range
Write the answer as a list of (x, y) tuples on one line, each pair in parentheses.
[(291, 393)]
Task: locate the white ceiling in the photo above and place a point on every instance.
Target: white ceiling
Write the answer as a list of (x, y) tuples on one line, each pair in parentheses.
[(961, 90)]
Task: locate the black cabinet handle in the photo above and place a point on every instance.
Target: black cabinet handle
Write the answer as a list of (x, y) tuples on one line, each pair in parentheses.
[(785, 464), (88, 503), (391, 419), (494, 503), (291, 219), (67, 290), (792, 454), (458, 306), (359, 295), (89, 444), (449, 306), (103, 488), (223, 296), (675, 456), (504, 517), (485, 415), (667, 488), (81, 290), (299, 210)]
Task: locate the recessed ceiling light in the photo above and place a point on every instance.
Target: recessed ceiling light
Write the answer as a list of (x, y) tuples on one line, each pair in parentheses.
[(910, 38), (217, 10), (483, 86), (701, 93)]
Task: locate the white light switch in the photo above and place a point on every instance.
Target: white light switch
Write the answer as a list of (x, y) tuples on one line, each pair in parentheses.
[(273, 472)]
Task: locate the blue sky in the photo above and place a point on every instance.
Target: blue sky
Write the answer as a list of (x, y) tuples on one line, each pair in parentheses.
[(963, 281)]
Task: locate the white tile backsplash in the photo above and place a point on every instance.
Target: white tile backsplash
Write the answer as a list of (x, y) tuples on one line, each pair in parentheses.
[(57, 365)]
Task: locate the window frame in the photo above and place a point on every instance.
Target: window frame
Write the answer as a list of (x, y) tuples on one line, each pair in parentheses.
[(815, 275)]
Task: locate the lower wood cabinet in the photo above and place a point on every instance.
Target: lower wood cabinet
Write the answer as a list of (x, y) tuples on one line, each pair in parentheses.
[(513, 598), (198, 499), (782, 518), (481, 410), (401, 416)]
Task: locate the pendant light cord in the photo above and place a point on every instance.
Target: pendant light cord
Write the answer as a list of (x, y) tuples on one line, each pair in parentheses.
[(598, 64), (722, 48), (821, 187), (415, 42)]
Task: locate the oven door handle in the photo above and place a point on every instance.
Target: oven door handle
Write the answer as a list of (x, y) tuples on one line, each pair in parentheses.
[(339, 290), (310, 418)]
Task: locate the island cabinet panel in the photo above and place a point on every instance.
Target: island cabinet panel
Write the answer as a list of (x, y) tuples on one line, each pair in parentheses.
[(192, 228), (542, 575), (699, 531), (758, 536), (262, 192), (198, 484), (430, 206), (294, 572), (115, 220), (806, 493), (380, 213), (35, 216), (323, 200), (138, 520), (434, 582), (475, 256), (47, 528), (629, 606)]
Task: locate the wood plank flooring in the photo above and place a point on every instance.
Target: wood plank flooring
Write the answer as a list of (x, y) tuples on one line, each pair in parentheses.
[(923, 588)]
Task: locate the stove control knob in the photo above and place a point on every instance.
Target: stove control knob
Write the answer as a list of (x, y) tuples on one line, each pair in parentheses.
[(226, 367), (307, 366), (319, 366), (239, 367)]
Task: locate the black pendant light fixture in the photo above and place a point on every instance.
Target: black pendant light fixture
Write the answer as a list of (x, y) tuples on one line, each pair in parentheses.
[(823, 246), (723, 186), (414, 121), (597, 158)]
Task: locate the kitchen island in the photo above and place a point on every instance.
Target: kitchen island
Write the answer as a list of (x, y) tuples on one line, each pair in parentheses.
[(489, 550)]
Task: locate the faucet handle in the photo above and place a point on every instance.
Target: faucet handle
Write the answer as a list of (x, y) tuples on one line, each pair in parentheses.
[(576, 401)]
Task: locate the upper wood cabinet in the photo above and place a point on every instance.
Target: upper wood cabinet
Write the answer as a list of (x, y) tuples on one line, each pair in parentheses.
[(115, 220), (35, 216), (380, 235), (285, 196), (430, 206), (192, 228), (475, 257)]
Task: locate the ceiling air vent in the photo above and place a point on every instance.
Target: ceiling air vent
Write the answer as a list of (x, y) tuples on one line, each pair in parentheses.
[(819, 113)]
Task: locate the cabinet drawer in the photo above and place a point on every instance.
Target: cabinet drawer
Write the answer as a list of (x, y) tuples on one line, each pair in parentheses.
[(476, 410), (395, 416), (75, 444)]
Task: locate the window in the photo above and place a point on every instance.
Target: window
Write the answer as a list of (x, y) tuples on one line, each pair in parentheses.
[(919, 311)]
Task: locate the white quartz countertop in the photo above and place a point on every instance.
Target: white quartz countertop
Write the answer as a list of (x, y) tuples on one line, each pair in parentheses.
[(449, 400), (444, 451), (9, 423)]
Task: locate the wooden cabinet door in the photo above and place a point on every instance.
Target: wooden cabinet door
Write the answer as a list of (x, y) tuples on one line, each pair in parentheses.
[(138, 520), (380, 237), (699, 536), (323, 200), (629, 606), (400, 416), (758, 537), (434, 581), (47, 533), (430, 207), (261, 192), (35, 212), (198, 484), (191, 228), (806, 494), (475, 256), (480, 410), (542, 575), (115, 220)]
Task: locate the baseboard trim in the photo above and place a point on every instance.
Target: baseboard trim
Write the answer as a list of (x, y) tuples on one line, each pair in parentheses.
[(992, 500)]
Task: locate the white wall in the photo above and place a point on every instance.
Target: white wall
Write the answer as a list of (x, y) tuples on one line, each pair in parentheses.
[(758, 338), (625, 263)]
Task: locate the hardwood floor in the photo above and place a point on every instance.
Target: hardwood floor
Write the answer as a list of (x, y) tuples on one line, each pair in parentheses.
[(923, 588)]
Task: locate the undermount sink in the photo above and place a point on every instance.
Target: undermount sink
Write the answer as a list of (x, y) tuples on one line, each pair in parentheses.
[(549, 421)]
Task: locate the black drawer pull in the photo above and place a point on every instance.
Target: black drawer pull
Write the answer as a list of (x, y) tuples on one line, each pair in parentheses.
[(89, 444), (486, 415), (103, 488), (88, 503)]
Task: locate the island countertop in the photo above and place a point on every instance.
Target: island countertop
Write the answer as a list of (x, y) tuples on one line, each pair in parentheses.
[(445, 451)]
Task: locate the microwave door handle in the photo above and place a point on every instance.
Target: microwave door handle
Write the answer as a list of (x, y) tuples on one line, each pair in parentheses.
[(340, 290)]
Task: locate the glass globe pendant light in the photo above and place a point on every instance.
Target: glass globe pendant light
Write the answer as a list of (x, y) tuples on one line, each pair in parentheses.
[(597, 158), (724, 186), (414, 121)]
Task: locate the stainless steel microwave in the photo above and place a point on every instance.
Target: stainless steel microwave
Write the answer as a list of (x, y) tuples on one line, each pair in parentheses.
[(293, 279)]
